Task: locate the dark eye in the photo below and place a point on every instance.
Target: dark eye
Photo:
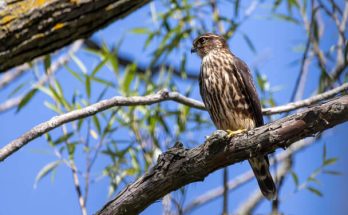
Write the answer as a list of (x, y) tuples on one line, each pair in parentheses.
[(202, 40)]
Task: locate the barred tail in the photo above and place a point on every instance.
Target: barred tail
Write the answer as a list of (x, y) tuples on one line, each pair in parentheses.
[(260, 167)]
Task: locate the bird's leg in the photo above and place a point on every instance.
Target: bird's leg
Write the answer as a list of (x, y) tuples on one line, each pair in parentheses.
[(233, 133)]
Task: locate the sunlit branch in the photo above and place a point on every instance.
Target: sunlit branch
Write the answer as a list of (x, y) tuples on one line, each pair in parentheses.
[(306, 102), (179, 166), (13, 75), (161, 96), (244, 178)]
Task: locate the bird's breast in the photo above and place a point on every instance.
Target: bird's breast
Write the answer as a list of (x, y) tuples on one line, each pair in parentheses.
[(220, 86)]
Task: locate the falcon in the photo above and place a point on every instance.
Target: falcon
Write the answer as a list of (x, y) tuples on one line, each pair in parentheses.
[(228, 93)]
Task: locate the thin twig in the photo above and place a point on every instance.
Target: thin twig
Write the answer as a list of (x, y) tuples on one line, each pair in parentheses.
[(12, 75), (78, 188), (74, 172), (256, 197), (306, 102), (301, 80), (225, 192)]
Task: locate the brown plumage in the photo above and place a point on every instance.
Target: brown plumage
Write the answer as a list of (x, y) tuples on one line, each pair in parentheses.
[(228, 92)]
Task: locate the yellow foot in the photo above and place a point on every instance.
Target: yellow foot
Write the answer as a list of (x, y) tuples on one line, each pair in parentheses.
[(233, 133)]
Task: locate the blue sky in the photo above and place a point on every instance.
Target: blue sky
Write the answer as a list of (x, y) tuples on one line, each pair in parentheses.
[(273, 39)]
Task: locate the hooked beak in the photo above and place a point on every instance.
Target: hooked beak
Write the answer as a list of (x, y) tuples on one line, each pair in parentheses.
[(193, 50)]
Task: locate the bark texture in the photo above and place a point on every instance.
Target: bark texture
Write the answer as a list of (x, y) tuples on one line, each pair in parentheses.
[(179, 166), (29, 29)]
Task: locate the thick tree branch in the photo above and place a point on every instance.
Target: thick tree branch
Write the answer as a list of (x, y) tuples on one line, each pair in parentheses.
[(243, 178), (30, 29), (178, 166)]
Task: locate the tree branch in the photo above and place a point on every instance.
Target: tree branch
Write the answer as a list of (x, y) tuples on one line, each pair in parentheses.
[(161, 96), (30, 30), (8, 77), (306, 102), (178, 166), (243, 178), (57, 121)]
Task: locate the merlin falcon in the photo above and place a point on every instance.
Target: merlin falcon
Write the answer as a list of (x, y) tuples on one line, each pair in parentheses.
[(228, 93)]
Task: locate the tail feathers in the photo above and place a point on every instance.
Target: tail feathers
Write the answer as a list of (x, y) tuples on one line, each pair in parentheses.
[(260, 167)]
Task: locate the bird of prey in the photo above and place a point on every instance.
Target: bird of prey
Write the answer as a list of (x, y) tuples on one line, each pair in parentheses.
[(228, 93)]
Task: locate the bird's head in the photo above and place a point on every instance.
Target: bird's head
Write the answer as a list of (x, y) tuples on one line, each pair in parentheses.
[(208, 42)]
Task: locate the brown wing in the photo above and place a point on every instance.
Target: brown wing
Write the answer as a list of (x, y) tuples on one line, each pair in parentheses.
[(249, 91)]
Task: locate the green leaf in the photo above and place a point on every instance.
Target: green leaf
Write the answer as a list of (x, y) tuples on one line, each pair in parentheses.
[(15, 90), (102, 81), (25, 100), (324, 152), (88, 86), (330, 161), (99, 66), (291, 4), (128, 77), (46, 170), (71, 149), (47, 62), (140, 31), (236, 7), (332, 172), (96, 123), (114, 63), (249, 43), (63, 138), (79, 124), (53, 107), (286, 18), (313, 179), (315, 191), (316, 30), (57, 95), (73, 73), (276, 4), (295, 178)]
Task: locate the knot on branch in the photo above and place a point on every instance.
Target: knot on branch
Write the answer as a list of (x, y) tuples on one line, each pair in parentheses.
[(164, 93), (216, 142), (169, 159), (337, 107)]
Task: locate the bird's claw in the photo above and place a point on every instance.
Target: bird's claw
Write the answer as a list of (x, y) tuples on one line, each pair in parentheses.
[(231, 133)]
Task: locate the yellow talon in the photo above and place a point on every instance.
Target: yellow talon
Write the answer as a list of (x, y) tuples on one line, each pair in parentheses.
[(233, 133)]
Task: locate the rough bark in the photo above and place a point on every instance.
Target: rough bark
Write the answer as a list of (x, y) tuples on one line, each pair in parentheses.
[(33, 28), (179, 166)]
